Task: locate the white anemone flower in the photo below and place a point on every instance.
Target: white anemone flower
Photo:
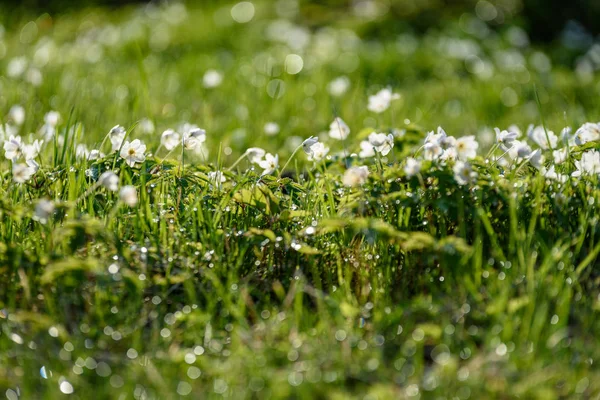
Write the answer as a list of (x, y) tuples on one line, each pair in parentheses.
[(146, 126), (588, 132), (589, 164), (366, 149), (381, 101), (95, 154), (438, 138), (255, 155), (381, 142), (117, 135), (22, 173), (128, 195), (555, 176), (463, 173), (82, 152), (505, 138), (269, 164), (109, 180), (169, 139), (560, 156), (412, 167), (338, 129), (432, 151), (339, 86), (466, 147), (13, 148), (52, 118), (318, 151), (193, 138), (355, 176), (133, 152), (308, 143), (542, 137), (43, 210), (271, 128), (17, 114)]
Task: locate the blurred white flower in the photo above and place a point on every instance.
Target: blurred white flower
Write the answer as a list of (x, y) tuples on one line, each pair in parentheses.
[(552, 174), (463, 173), (13, 148), (339, 86), (216, 177), (255, 155), (450, 154), (133, 152), (381, 142), (589, 164), (212, 78), (318, 151), (588, 132), (34, 76), (95, 155), (432, 151), (193, 138), (308, 143), (271, 128), (412, 167), (560, 156), (16, 67), (33, 165), (440, 138), (505, 138), (117, 135), (380, 101), (81, 152), (366, 149), (43, 210), (146, 126), (17, 114), (22, 173), (519, 150), (536, 159), (542, 137), (128, 195), (338, 129), (52, 118), (269, 164), (109, 180), (355, 176), (466, 147), (169, 139)]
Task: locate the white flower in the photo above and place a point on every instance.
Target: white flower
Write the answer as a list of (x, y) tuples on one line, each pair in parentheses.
[(33, 165), (355, 176), (338, 129), (466, 147), (438, 138), (269, 164), (81, 151), (542, 137), (308, 143), (552, 174), (589, 163), (339, 86), (318, 151), (109, 180), (519, 150), (588, 132), (216, 177), (146, 126), (133, 152), (117, 135), (52, 118), (505, 138), (366, 149), (13, 148), (381, 142), (255, 155), (169, 139), (463, 173), (380, 102), (16, 66), (560, 155), (17, 114), (412, 167), (271, 128), (22, 173), (193, 138), (43, 210), (95, 155), (212, 78), (537, 159), (128, 195), (432, 151), (450, 154)]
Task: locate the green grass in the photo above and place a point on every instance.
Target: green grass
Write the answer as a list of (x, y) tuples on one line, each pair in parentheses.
[(292, 284)]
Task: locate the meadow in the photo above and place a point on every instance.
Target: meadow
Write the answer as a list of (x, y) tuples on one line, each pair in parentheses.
[(282, 199)]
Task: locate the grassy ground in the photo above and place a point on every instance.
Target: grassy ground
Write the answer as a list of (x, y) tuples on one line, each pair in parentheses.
[(307, 281)]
